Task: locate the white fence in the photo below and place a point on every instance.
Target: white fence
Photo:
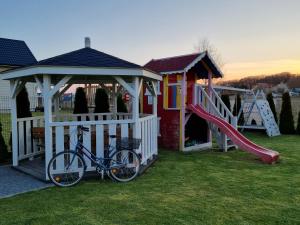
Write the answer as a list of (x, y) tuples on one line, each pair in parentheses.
[(149, 137), (91, 117), (5, 103), (65, 133), (28, 146)]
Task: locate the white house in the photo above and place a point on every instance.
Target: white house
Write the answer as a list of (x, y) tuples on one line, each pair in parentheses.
[(15, 54)]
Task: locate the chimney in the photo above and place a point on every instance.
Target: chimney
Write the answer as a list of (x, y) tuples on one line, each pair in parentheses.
[(87, 42)]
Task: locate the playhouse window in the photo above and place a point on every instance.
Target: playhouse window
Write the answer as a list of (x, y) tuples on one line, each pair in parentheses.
[(158, 88), (147, 92), (150, 99), (173, 96)]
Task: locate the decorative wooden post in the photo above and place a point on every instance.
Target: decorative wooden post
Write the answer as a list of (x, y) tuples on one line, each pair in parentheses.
[(48, 119), (135, 104), (209, 83), (56, 103), (14, 123), (135, 111), (182, 113), (209, 87), (154, 112), (114, 100)]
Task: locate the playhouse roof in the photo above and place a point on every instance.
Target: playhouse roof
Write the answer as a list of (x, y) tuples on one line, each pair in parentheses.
[(15, 53), (182, 63)]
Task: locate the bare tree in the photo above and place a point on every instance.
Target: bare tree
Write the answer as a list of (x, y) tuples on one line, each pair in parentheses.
[(205, 45)]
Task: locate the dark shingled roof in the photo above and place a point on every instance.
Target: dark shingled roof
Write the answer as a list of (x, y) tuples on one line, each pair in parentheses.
[(15, 53), (171, 64), (87, 57), (179, 63)]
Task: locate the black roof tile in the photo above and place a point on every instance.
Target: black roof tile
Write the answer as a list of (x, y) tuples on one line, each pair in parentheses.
[(87, 57), (15, 53)]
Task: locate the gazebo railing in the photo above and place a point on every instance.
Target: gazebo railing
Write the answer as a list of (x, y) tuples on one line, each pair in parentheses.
[(31, 136), (91, 117), (97, 138), (149, 137), (29, 146), (31, 132)]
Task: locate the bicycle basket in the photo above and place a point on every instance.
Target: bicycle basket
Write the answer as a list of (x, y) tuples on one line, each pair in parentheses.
[(128, 143)]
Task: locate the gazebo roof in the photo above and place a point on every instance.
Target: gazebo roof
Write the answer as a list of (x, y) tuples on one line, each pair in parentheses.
[(87, 57), (84, 62)]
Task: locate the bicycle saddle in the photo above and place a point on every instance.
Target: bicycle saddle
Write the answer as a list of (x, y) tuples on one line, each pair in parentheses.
[(84, 128)]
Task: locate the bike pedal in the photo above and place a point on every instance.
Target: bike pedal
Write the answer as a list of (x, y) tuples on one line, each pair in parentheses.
[(102, 174)]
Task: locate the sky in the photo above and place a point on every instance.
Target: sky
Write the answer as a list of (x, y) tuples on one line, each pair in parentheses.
[(253, 37)]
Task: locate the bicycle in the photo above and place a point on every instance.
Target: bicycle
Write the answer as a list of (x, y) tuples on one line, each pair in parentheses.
[(121, 164)]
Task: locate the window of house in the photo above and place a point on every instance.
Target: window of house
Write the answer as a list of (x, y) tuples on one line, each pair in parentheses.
[(150, 100), (149, 96), (172, 92), (173, 96)]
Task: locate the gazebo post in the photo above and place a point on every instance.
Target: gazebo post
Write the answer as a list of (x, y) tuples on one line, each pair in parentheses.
[(114, 100), (135, 109), (14, 125), (48, 119), (154, 95), (56, 103), (154, 112)]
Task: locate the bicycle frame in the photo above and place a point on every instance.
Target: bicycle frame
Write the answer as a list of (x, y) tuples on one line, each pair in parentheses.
[(99, 161)]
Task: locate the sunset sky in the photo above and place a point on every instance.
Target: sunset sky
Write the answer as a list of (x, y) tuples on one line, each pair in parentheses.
[(253, 37)]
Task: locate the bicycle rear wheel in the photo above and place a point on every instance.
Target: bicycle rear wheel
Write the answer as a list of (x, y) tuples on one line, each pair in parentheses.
[(66, 168), (124, 165)]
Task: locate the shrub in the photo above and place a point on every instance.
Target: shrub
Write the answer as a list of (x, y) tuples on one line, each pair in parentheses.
[(101, 101), (23, 104), (80, 104), (272, 106), (226, 100), (121, 106), (3, 147), (298, 124), (236, 109), (286, 123)]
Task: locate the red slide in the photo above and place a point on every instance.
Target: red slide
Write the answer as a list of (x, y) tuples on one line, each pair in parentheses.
[(266, 155)]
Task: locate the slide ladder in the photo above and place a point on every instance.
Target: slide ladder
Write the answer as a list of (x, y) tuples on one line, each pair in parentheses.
[(266, 155), (212, 102)]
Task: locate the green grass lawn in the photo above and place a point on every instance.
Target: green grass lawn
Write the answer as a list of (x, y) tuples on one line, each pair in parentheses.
[(196, 188)]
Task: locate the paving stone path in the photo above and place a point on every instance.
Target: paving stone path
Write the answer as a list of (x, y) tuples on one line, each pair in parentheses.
[(13, 182)]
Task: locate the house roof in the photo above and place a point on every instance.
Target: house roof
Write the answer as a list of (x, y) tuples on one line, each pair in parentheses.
[(15, 53), (87, 57), (179, 64), (169, 64)]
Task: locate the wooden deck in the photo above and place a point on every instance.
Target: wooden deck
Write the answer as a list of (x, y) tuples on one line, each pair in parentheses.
[(36, 168)]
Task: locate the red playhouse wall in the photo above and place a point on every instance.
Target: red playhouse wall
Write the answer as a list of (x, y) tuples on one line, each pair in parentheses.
[(170, 119), (191, 80)]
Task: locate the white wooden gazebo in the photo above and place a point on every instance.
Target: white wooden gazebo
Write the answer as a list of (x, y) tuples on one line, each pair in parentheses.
[(56, 75)]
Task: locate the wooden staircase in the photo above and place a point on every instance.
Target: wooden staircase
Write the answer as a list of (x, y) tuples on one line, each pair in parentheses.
[(211, 102)]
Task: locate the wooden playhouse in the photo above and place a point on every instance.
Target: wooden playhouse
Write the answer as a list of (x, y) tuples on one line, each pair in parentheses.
[(179, 129)]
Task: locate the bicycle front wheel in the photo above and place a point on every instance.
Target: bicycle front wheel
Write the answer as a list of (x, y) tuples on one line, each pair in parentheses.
[(124, 165), (66, 168)]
